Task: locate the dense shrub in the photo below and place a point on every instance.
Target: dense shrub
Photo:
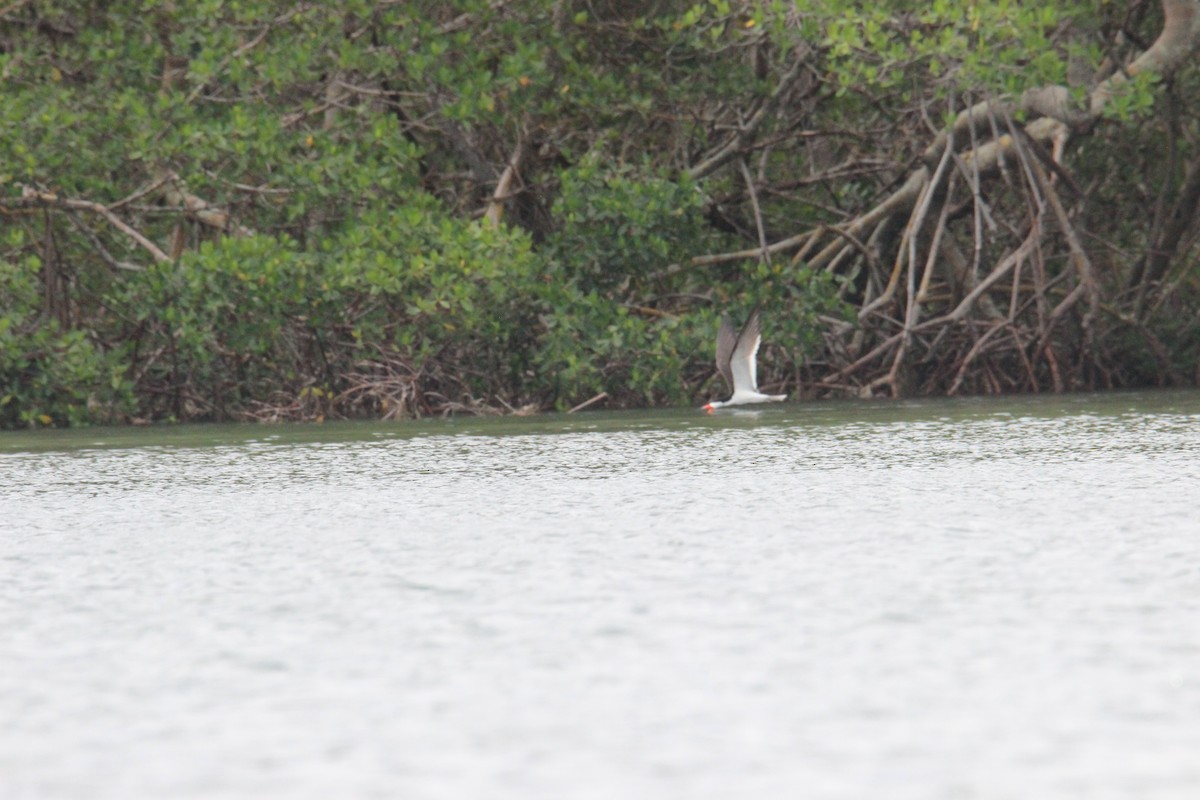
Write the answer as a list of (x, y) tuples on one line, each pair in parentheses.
[(51, 374), (223, 210)]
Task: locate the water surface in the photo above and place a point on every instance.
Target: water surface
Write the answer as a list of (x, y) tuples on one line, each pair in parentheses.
[(950, 599)]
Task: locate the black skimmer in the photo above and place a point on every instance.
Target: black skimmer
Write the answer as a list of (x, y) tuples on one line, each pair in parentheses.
[(737, 355)]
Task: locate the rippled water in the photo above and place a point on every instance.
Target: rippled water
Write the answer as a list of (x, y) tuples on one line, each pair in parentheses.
[(970, 599)]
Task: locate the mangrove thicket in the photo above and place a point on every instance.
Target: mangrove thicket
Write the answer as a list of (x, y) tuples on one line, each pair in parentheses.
[(253, 209)]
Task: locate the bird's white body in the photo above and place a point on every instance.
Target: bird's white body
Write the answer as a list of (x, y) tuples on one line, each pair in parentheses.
[(737, 360), (746, 398)]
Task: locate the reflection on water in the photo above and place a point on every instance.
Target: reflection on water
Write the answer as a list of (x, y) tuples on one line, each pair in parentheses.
[(968, 599)]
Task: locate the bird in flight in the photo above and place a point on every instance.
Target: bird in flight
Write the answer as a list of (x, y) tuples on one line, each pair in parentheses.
[(737, 355)]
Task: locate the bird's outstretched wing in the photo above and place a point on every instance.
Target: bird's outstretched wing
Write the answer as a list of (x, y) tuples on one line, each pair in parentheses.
[(727, 340), (744, 361)]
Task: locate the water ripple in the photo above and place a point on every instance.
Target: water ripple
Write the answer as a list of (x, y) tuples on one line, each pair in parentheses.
[(926, 600)]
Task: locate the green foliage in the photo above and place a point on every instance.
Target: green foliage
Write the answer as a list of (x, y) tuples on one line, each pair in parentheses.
[(997, 47), (640, 356), (225, 317), (245, 318), (637, 356), (619, 226), (1133, 99), (50, 375), (349, 155), (615, 224)]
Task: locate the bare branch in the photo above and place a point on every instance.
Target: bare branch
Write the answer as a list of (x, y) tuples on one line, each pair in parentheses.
[(746, 133), (35, 198)]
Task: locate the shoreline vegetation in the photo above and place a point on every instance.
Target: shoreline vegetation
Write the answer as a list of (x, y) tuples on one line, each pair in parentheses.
[(270, 211)]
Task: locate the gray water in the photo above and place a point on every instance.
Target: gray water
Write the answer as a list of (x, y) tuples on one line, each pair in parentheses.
[(969, 599)]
